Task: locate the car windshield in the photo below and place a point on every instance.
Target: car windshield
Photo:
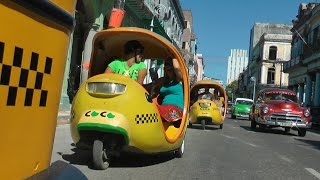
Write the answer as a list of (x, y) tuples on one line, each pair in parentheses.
[(244, 102), (282, 97)]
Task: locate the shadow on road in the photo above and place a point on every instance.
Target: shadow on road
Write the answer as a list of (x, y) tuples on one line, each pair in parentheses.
[(84, 157), (269, 131), (59, 170), (208, 127), (313, 143)]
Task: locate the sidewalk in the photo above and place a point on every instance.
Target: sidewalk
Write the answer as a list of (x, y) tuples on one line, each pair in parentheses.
[(63, 117)]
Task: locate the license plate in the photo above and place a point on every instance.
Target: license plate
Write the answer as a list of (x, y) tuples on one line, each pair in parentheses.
[(284, 123)]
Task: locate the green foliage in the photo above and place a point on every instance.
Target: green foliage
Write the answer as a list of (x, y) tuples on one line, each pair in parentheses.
[(232, 90)]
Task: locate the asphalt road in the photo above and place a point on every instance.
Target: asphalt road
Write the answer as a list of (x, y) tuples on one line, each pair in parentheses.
[(235, 152)]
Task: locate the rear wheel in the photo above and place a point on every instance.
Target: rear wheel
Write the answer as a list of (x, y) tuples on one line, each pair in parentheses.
[(302, 132), (100, 159), (203, 124), (179, 152), (253, 124)]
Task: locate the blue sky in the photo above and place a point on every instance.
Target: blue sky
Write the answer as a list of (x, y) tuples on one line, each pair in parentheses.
[(222, 25)]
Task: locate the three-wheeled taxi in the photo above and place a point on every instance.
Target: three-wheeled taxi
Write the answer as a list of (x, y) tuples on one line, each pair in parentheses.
[(207, 104), (112, 113)]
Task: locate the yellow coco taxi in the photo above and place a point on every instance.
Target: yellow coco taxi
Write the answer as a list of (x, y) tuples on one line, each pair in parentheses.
[(113, 113), (34, 41), (208, 104)]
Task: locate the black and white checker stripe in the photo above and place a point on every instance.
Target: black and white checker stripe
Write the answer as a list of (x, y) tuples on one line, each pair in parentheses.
[(31, 78), (146, 118)]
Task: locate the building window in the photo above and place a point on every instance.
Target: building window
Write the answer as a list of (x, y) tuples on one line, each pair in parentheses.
[(183, 45), (273, 53), (271, 73)]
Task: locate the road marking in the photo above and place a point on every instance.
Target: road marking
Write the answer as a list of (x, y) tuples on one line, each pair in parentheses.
[(313, 172), (230, 137), (285, 158), (245, 142)]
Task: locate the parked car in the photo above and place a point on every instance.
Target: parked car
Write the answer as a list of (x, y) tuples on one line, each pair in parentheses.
[(241, 108), (229, 107), (276, 107)]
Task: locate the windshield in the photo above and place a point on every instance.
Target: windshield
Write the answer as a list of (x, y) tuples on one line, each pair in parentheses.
[(244, 102), (282, 97)]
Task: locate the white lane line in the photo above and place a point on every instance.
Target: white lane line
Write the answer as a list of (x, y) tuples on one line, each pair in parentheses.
[(230, 137), (285, 158), (313, 172), (245, 142)]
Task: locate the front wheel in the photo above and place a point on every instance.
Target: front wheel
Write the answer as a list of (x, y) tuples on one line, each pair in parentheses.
[(100, 159), (302, 132), (203, 124), (179, 152), (253, 124)]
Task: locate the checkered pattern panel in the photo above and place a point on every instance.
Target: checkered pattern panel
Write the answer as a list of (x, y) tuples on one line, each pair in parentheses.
[(146, 118), (23, 79)]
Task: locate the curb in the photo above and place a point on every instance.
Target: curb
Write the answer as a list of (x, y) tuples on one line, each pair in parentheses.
[(63, 117)]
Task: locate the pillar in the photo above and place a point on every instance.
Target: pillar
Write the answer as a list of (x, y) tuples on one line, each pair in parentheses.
[(301, 92), (308, 90), (317, 90)]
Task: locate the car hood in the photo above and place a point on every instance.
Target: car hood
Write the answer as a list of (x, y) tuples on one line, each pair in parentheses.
[(284, 105), (243, 107)]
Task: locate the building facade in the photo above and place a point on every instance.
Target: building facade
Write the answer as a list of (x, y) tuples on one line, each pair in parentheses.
[(237, 63), (189, 46), (304, 66), (268, 53)]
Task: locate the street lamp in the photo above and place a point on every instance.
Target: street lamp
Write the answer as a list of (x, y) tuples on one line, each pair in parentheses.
[(253, 79)]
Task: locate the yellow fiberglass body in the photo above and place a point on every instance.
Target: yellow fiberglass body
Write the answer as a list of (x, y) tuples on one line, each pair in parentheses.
[(112, 113), (208, 104), (34, 40)]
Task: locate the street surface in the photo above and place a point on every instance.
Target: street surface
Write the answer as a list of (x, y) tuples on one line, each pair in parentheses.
[(235, 152)]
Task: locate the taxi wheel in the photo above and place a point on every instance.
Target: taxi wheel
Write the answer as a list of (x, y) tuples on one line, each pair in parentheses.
[(302, 132), (286, 130), (253, 124), (221, 126), (179, 152), (100, 159), (203, 124)]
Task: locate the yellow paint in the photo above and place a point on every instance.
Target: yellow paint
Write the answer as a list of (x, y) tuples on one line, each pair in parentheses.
[(213, 112), (27, 132)]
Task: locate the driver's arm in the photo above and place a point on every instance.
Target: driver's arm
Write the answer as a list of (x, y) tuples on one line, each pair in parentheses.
[(141, 75)]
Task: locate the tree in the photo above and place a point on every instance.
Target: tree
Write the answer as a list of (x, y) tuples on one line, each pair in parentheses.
[(232, 90)]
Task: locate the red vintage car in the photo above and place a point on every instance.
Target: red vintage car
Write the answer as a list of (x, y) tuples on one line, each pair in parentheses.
[(275, 107)]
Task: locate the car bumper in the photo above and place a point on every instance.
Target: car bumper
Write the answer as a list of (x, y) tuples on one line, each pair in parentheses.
[(298, 122)]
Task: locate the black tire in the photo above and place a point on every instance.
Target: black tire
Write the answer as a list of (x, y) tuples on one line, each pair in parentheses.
[(190, 125), (233, 116), (253, 124), (302, 132), (221, 126), (179, 152), (203, 124), (262, 127), (287, 130), (100, 159)]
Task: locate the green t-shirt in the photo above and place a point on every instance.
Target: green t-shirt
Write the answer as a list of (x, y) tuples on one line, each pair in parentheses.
[(119, 66)]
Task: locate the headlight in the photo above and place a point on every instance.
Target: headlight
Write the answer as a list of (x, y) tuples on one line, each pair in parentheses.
[(203, 105), (265, 109), (105, 88), (306, 113)]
